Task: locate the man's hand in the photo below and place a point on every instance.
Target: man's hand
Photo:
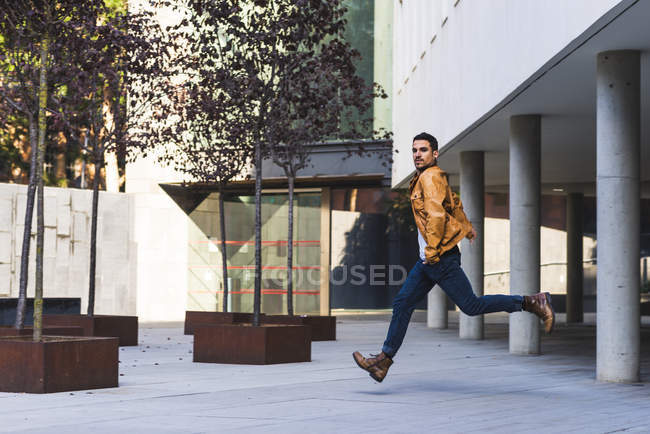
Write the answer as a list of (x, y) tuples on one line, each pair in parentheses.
[(472, 236)]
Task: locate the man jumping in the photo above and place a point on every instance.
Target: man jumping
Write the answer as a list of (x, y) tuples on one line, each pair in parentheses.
[(441, 224)]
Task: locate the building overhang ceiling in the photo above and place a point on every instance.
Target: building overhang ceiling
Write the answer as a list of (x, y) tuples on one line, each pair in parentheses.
[(563, 92), (190, 195)]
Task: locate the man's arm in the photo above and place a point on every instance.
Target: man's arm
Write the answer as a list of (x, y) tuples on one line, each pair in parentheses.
[(434, 189), (461, 217)]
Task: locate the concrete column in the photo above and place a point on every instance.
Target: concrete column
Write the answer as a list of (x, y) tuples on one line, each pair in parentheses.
[(437, 308), (473, 196), (574, 270), (525, 145), (618, 215)]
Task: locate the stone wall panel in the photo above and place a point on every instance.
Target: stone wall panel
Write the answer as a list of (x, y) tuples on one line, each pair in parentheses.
[(81, 201), (49, 243), (49, 210), (6, 210), (5, 248), (80, 227), (5, 279), (67, 247), (18, 239)]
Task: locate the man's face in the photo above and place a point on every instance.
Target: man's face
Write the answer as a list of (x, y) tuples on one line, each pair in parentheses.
[(423, 156)]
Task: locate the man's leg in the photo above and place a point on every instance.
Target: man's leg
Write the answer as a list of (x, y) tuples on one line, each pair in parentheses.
[(454, 282), (415, 287)]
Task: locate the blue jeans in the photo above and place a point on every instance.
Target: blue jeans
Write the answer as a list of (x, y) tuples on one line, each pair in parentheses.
[(451, 278)]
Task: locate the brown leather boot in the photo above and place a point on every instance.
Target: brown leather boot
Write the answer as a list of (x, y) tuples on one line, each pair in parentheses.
[(540, 305), (377, 365)]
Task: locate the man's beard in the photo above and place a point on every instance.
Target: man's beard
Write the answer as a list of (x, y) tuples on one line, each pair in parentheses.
[(423, 168)]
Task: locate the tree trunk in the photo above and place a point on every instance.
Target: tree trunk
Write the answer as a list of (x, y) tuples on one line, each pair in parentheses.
[(257, 297), (290, 249), (40, 225), (27, 232), (224, 258), (99, 156)]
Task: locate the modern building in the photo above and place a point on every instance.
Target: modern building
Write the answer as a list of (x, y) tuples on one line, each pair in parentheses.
[(341, 225), (533, 100), (158, 242), (541, 111)]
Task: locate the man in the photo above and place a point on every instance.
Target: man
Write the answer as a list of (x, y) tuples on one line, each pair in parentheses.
[(441, 224)]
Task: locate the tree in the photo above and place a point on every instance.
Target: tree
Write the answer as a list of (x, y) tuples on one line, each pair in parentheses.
[(34, 38), (318, 96), (285, 67), (201, 142), (18, 88), (14, 147), (200, 121), (87, 58), (206, 138), (115, 52)]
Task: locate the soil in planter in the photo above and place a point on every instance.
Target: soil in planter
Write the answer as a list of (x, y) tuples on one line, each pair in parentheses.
[(323, 328), (52, 331), (45, 338), (124, 327), (194, 319)]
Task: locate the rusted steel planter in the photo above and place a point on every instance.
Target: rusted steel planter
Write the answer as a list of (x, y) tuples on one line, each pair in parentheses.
[(195, 318), (123, 327), (246, 344), (52, 331), (323, 328), (57, 364)]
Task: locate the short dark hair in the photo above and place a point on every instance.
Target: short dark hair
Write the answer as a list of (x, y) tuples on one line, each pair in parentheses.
[(429, 138)]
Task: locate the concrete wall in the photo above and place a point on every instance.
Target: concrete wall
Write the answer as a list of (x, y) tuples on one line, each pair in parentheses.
[(159, 225), (552, 259), (454, 60), (141, 250), (160, 230), (67, 247)]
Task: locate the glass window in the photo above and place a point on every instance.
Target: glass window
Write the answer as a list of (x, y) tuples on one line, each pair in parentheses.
[(206, 290)]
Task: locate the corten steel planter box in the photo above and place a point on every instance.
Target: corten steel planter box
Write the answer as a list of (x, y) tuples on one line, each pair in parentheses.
[(195, 318), (57, 364), (123, 327), (246, 344), (52, 331), (323, 328)]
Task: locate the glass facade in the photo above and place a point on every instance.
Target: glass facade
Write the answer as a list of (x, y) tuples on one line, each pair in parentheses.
[(355, 232), (205, 269), (372, 247)]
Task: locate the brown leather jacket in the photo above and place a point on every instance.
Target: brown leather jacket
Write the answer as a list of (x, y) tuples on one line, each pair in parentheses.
[(438, 213)]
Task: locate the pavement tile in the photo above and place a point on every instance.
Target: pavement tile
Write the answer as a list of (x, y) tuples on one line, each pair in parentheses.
[(438, 383)]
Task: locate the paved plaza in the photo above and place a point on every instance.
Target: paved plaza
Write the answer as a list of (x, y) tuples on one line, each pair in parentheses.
[(438, 383)]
